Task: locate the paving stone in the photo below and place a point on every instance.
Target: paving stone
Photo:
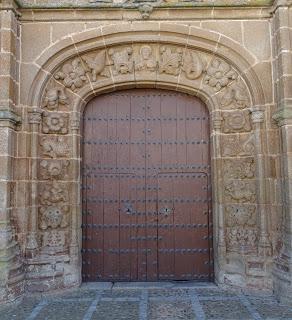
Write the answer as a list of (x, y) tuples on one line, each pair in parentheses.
[(62, 310), (120, 293), (160, 293), (225, 310), (19, 311), (214, 292), (79, 294), (116, 311), (270, 309), (170, 310)]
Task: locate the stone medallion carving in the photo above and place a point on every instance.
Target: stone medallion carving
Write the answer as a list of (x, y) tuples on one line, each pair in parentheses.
[(170, 60), (146, 61), (54, 147), (236, 121), (240, 191), (55, 122), (219, 74), (122, 60), (54, 169)]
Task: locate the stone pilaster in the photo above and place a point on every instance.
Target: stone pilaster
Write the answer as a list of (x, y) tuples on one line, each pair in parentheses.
[(11, 271), (283, 80)]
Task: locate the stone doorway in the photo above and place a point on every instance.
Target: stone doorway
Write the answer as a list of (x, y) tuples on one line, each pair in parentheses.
[(146, 187)]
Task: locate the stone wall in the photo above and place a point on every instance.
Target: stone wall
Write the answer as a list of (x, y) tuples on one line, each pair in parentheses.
[(236, 58)]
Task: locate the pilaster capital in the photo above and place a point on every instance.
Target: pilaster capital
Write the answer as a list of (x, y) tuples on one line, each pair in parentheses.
[(75, 122), (12, 5), (257, 115), (35, 116)]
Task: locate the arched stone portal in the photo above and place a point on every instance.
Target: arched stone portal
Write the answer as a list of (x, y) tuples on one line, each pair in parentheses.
[(116, 58)]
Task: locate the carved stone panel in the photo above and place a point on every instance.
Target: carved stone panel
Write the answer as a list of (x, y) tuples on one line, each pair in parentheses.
[(239, 168), (236, 121), (170, 60), (240, 191), (55, 122), (235, 96), (55, 146), (122, 60), (146, 61), (233, 145), (54, 169)]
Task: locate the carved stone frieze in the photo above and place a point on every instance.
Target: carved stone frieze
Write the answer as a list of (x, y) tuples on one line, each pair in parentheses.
[(145, 61), (54, 146), (219, 74), (239, 168), (122, 60), (96, 63), (54, 169), (237, 145), (55, 122), (240, 191), (170, 60), (236, 121), (72, 74)]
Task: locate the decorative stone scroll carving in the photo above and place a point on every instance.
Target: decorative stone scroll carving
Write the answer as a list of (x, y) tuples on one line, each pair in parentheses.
[(170, 60), (146, 61), (193, 65), (54, 122), (54, 147), (240, 191), (54, 169), (73, 74), (219, 74), (122, 60), (236, 121), (96, 64), (237, 145), (239, 168)]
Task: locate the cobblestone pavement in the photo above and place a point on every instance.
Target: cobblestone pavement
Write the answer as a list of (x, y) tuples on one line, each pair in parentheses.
[(146, 301)]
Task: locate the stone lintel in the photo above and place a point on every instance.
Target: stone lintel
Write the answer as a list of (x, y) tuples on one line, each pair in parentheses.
[(32, 4)]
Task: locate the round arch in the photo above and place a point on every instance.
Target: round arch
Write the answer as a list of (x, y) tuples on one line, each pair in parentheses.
[(186, 59)]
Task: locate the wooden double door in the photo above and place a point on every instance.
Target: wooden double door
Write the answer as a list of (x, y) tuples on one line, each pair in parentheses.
[(146, 188)]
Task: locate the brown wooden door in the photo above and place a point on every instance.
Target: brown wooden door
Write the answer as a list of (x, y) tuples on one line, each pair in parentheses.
[(146, 188)]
